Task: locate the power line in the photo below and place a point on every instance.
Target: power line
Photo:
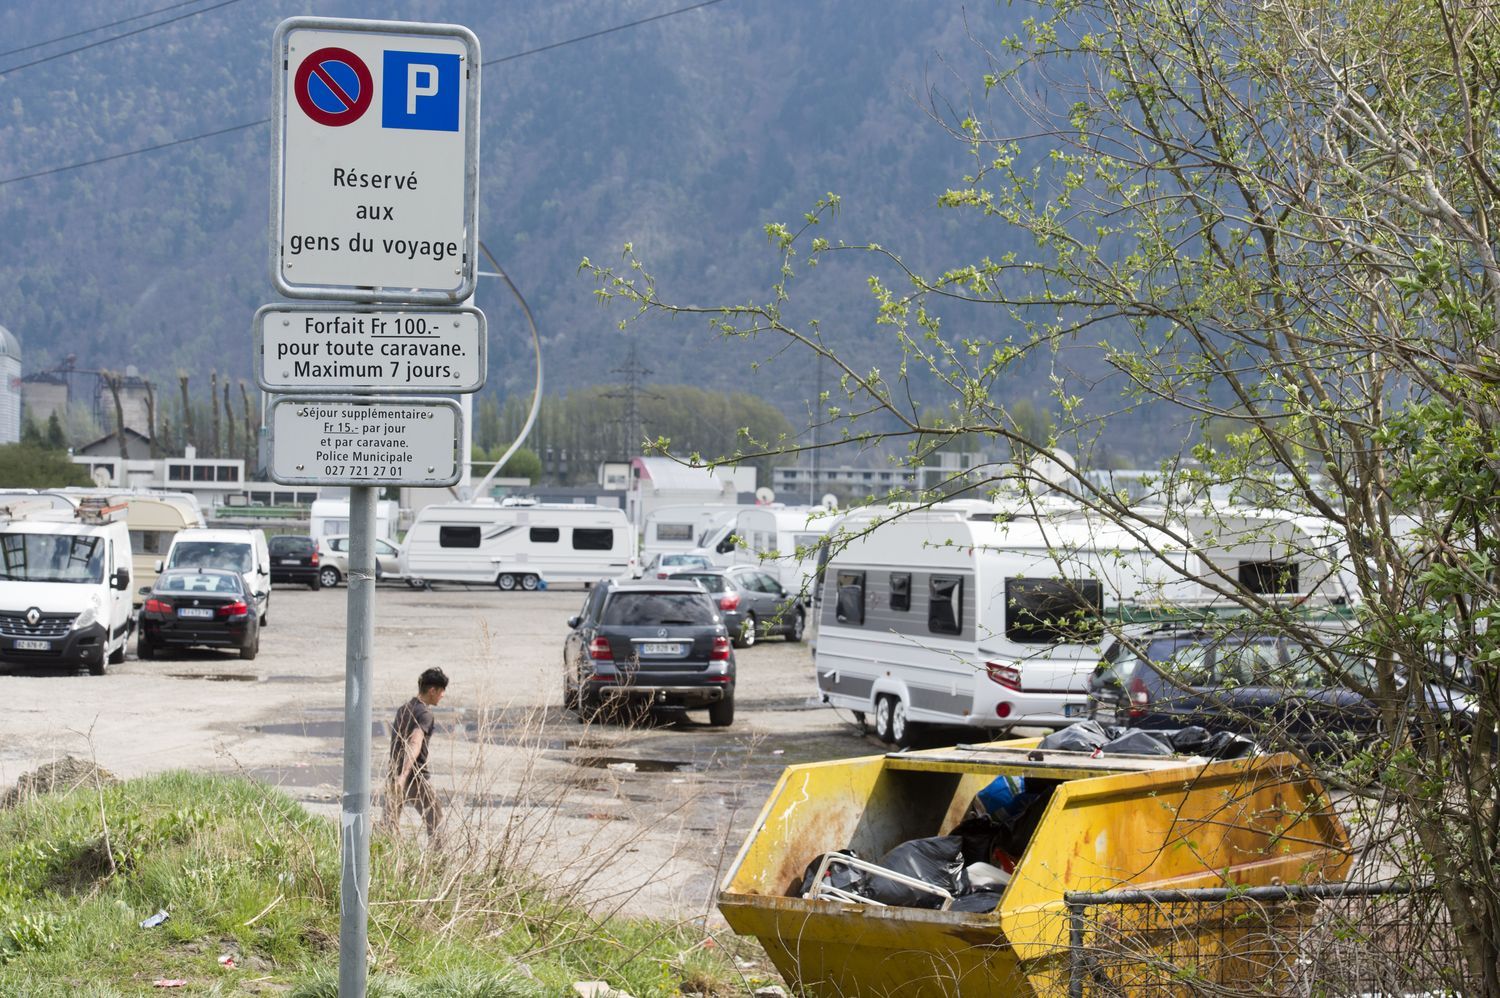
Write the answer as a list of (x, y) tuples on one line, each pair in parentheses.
[(251, 124), (114, 38), (604, 31), (98, 27)]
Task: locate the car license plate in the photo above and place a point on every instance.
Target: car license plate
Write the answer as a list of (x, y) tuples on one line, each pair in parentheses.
[(662, 648), (25, 644), (291, 561), (1075, 709), (195, 611)]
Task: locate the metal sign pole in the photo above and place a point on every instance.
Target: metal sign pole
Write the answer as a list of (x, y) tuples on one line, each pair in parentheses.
[(354, 826)]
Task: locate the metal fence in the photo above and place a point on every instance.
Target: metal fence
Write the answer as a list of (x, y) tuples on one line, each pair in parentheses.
[(1314, 941)]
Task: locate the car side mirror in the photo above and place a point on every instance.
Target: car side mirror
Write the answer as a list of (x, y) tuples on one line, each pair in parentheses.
[(159, 565), (726, 545), (144, 591), (121, 579), (574, 621)]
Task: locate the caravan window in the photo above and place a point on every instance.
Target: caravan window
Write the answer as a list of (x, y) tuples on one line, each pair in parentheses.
[(945, 604), (593, 539), (851, 601), (545, 535), (458, 537), (674, 531), (900, 590), (1046, 611), (1269, 576)]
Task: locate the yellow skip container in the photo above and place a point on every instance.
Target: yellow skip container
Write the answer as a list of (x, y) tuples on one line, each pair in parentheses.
[(1111, 821)]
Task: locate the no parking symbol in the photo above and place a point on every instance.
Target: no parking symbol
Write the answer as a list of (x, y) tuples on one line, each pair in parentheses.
[(333, 87)]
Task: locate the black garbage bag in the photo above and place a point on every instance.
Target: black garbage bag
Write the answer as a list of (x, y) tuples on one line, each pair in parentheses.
[(840, 875), (1085, 736), (1228, 745), (938, 861), (977, 901), (1138, 742), (1192, 740)]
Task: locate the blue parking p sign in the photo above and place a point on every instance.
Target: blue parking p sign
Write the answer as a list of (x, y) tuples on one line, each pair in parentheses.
[(420, 90)]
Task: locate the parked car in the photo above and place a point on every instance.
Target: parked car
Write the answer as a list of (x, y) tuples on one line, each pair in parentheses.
[(294, 558), (751, 602), (662, 565), (242, 551), (657, 642), (199, 606), (1266, 686), (333, 555)]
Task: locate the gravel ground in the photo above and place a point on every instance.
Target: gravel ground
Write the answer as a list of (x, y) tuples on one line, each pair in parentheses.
[(642, 818)]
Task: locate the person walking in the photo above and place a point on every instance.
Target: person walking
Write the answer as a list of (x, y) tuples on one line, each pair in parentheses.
[(411, 736)]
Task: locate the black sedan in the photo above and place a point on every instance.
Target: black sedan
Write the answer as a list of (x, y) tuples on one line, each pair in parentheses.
[(751, 602), (1267, 686), (294, 558), (210, 607)]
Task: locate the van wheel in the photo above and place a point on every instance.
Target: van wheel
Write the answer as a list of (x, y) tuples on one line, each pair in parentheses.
[(506, 582), (749, 631), (799, 627), (97, 668), (530, 582), (117, 656), (901, 728), (721, 714), (883, 709)]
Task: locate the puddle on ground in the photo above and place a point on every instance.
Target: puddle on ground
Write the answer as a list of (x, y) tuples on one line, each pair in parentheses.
[(214, 677), (315, 729), (305, 679), (623, 764)]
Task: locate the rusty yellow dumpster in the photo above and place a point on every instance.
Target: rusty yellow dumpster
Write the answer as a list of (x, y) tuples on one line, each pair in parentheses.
[(1107, 822)]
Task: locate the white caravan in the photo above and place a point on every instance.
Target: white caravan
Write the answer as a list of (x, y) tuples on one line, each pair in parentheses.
[(328, 517), (679, 529), (518, 546), (65, 585), (780, 539), (977, 613)]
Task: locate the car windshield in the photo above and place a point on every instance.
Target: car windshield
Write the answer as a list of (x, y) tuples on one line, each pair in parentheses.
[(685, 560), (52, 558), (211, 554), (649, 609)]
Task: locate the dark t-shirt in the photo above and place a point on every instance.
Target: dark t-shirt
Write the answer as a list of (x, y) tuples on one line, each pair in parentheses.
[(410, 716)]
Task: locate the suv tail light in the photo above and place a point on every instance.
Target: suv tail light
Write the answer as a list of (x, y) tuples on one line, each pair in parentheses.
[(1008, 676), (599, 650), (729, 601), (315, 557), (158, 606), (721, 649), (236, 609), (1140, 697)]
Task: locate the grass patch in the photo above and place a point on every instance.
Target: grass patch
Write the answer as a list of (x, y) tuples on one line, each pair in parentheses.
[(246, 872)]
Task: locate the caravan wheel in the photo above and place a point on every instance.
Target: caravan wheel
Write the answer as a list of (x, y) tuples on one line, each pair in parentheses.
[(530, 582), (901, 728), (506, 582), (883, 710)]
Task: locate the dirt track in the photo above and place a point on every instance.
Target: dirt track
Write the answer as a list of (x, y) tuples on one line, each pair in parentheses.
[(643, 818)]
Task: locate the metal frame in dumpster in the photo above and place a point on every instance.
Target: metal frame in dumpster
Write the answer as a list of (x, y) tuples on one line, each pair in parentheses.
[(1113, 821)]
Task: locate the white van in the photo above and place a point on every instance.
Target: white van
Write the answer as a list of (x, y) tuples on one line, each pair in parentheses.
[(977, 613), (783, 540), (65, 586), (243, 551), (518, 546)]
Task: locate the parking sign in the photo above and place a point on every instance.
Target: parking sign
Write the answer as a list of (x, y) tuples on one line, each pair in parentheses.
[(375, 174)]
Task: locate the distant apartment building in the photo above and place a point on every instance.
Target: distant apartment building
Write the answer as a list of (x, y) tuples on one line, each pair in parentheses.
[(945, 471)]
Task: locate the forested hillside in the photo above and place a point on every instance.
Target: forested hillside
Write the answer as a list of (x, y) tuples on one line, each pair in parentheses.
[(683, 136)]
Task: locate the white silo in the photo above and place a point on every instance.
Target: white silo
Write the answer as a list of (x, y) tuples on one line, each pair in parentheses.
[(10, 387)]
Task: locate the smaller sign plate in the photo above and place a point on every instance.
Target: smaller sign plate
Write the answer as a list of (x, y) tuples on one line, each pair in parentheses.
[(339, 440), (348, 348)]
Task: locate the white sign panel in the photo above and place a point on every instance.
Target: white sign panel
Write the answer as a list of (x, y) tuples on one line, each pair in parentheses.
[(329, 440), (375, 183), (332, 348)]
